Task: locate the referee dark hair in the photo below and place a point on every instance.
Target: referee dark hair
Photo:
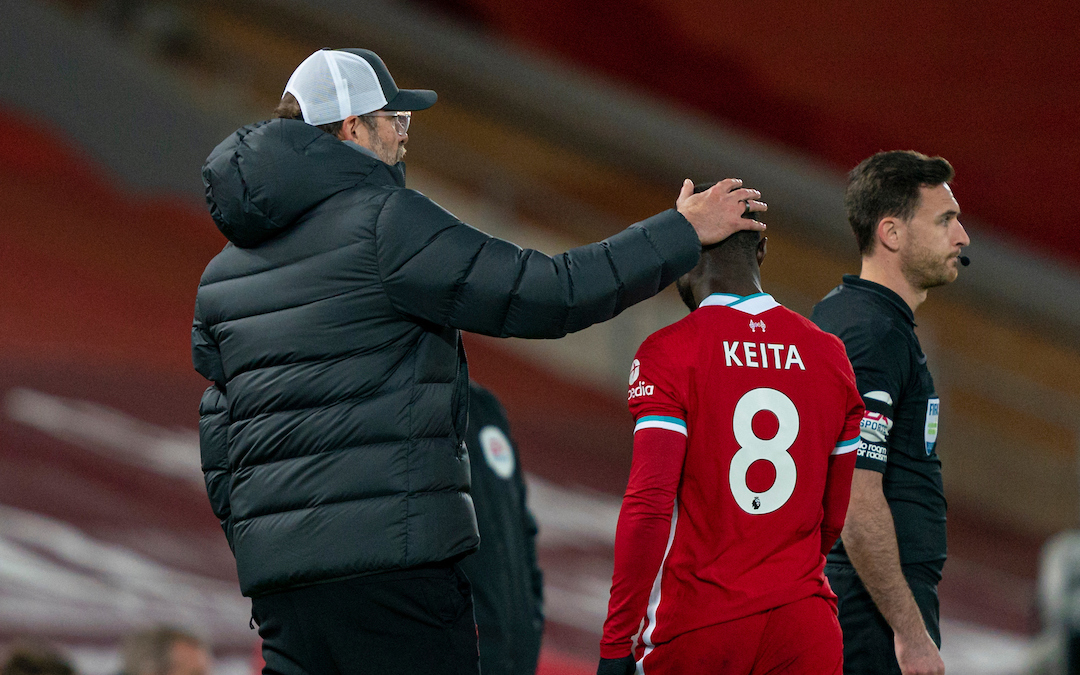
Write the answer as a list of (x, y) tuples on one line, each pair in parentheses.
[(888, 184), (888, 562)]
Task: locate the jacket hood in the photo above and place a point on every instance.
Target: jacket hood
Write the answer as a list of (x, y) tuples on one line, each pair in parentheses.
[(262, 178)]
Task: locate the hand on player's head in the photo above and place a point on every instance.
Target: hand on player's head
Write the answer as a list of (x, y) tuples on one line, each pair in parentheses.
[(717, 213)]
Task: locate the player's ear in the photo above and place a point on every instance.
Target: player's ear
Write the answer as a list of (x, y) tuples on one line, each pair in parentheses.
[(762, 249), (888, 233)]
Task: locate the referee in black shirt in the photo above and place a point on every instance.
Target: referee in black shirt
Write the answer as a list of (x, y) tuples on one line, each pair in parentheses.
[(507, 584), (887, 564)]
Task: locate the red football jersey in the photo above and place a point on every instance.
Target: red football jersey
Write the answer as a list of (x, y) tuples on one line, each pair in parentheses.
[(747, 418)]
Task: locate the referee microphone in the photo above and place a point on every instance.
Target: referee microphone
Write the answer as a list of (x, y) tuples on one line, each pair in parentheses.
[(964, 260)]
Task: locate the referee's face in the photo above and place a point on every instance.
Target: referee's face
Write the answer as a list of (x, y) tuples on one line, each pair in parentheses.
[(933, 239)]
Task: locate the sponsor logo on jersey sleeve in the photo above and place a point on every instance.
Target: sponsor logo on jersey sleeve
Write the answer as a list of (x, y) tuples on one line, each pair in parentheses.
[(930, 431), (875, 427), (643, 388), (874, 435), (497, 451), (873, 450)]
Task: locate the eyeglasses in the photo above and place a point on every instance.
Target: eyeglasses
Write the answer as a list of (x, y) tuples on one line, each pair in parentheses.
[(400, 119)]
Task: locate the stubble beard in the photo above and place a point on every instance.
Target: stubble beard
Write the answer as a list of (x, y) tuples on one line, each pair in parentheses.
[(387, 153), (924, 270)]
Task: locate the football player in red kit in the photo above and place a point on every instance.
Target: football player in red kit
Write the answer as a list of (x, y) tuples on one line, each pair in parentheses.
[(747, 419)]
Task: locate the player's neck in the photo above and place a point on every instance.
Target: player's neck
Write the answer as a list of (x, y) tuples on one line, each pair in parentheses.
[(741, 287), (892, 277)]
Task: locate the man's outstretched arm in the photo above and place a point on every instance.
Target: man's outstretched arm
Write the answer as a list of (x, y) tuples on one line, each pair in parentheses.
[(438, 269)]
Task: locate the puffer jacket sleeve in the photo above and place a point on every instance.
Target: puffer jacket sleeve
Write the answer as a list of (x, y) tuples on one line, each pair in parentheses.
[(214, 448), (436, 268), (204, 351)]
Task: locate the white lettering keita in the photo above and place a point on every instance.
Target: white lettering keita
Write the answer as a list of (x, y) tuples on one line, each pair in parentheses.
[(762, 355)]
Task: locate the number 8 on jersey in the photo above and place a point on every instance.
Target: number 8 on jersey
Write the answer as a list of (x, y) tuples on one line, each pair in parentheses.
[(773, 450)]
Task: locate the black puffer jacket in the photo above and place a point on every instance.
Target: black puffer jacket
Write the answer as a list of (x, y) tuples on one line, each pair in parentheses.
[(330, 328)]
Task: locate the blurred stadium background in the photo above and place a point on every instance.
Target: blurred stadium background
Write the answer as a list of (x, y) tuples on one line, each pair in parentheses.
[(558, 123)]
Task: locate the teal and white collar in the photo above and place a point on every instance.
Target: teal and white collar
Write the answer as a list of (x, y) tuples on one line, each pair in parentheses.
[(749, 304)]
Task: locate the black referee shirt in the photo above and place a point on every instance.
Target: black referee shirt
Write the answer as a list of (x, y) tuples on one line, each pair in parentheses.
[(507, 583), (899, 431)]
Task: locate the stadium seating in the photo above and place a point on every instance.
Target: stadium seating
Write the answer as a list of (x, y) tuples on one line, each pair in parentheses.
[(97, 285)]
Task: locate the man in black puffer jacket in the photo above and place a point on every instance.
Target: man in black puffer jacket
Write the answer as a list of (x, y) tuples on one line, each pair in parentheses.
[(332, 435)]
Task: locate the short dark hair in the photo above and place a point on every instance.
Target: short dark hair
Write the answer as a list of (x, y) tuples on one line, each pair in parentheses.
[(887, 185), (289, 109)]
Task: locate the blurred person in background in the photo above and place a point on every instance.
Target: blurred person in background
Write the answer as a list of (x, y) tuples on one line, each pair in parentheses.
[(507, 583), (332, 436), (886, 567), (165, 650), (747, 420), (34, 659)]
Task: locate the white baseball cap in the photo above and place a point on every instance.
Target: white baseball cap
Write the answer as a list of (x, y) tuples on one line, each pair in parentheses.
[(333, 84)]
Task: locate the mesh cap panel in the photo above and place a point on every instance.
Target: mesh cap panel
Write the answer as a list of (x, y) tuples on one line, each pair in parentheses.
[(331, 85)]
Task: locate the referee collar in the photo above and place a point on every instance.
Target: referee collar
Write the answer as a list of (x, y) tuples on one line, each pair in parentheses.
[(858, 283)]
